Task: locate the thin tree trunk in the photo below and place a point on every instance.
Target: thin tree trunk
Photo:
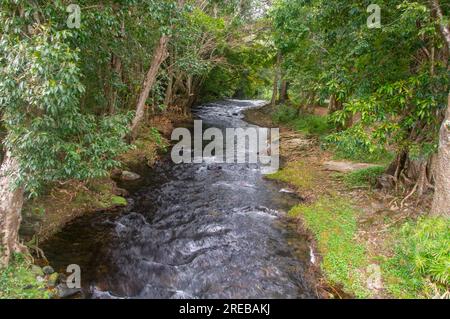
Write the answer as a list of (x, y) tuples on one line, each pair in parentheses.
[(116, 64), (158, 58), (168, 95), (11, 202), (284, 96), (276, 79)]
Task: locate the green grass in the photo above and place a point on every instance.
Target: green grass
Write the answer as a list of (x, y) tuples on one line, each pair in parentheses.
[(309, 124), (420, 266), (363, 178), (18, 282), (334, 223), (296, 174)]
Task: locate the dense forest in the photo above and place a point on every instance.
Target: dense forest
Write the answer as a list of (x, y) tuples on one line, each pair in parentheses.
[(79, 84)]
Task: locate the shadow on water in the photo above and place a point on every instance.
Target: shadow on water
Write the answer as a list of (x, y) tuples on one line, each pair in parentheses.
[(192, 231)]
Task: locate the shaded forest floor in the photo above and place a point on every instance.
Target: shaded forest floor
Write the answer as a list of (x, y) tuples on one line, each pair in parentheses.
[(359, 231)]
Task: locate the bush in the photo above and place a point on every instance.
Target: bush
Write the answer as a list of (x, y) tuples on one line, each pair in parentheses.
[(364, 177), (356, 145), (306, 123), (284, 114), (421, 264)]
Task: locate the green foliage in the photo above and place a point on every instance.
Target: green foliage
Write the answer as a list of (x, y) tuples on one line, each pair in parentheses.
[(284, 114), (358, 145), (159, 140), (366, 177), (333, 222), (18, 282), (420, 266), (384, 76), (307, 123), (39, 98)]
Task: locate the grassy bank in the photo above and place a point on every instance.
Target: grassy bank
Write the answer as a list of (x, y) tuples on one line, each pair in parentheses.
[(367, 248), (18, 281)]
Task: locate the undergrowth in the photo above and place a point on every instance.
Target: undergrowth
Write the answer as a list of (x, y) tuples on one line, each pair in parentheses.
[(420, 265), (17, 281)]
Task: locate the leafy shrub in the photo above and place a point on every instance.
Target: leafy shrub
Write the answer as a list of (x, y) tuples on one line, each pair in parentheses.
[(357, 145), (306, 123), (364, 177), (421, 264), (284, 114)]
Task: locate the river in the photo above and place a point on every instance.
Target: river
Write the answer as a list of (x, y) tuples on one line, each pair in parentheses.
[(192, 231)]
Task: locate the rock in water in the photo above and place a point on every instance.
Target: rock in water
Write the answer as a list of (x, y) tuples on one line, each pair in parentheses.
[(48, 270), (130, 176)]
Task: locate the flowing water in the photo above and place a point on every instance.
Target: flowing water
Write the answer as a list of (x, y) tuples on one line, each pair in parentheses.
[(192, 231)]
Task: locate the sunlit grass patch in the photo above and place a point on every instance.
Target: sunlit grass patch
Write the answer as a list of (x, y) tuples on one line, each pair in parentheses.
[(334, 223), (297, 174)]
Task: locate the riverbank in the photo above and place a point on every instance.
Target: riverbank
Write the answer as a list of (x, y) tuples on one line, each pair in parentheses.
[(62, 203), (370, 243)]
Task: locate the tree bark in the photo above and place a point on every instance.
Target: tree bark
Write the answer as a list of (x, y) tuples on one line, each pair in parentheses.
[(116, 66), (11, 202), (441, 201), (158, 58), (276, 79), (284, 96)]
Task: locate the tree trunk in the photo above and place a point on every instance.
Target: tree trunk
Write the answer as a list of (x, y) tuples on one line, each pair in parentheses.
[(116, 65), (284, 96), (276, 79), (158, 58), (11, 201), (441, 201)]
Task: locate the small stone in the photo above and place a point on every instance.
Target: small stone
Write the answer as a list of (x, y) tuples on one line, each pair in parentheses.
[(28, 287), (129, 176), (37, 271), (48, 270), (53, 279)]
